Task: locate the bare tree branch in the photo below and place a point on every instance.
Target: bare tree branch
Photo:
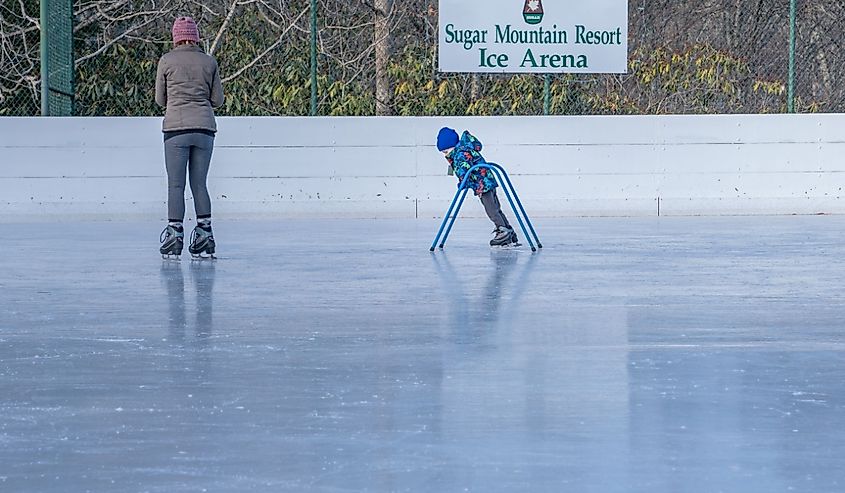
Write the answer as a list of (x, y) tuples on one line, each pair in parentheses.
[(270, 48), (226, 21)]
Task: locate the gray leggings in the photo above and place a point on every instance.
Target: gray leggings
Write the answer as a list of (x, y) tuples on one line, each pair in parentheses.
[(490, 201), (188, 154)]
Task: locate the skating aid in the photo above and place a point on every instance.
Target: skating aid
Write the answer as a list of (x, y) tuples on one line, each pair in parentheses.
[(506, 184)]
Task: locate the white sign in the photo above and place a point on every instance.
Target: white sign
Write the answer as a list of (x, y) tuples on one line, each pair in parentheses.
[(534, 36)]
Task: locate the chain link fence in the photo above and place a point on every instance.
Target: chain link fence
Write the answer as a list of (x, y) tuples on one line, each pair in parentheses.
[(711, 56)]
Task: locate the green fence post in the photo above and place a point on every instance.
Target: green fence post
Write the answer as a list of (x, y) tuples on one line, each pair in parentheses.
[(547, 94), (45, 68), (313, 57), (790, 96)]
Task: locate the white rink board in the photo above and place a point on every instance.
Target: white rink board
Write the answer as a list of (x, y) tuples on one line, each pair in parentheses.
[(111, 168)]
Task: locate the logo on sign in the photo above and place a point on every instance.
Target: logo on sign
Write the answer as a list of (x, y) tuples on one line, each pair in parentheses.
[(533, 11)]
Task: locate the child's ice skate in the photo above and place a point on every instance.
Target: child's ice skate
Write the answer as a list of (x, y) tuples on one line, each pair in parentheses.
[(172, 241), (505, 237), (202, 243)]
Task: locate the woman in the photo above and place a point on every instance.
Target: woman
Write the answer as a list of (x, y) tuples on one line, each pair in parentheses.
[(188, 85)]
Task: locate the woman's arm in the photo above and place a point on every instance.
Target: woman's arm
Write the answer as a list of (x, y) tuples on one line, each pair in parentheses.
[(216, 88), (161, 85)]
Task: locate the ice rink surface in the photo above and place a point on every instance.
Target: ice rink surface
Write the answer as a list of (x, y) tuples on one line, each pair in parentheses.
[(630, 355)]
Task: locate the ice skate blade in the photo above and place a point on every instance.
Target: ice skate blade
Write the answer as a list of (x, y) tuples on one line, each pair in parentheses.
[(200, 257), (171, 257), (509, 246)]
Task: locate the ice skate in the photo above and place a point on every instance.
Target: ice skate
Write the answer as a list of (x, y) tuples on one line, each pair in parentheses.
[(202, 243), (505, 237), (172, 241)]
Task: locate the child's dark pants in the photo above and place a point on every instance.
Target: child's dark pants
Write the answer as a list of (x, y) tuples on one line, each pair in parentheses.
[(490, 201)]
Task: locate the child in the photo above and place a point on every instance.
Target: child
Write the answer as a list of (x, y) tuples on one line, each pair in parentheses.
[(463, 153)]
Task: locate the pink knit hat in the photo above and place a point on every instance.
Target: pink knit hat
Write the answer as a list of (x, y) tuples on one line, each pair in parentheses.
[(185, 29)]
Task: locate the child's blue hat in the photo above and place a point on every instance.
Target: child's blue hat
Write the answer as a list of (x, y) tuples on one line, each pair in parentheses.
[(447, 139)]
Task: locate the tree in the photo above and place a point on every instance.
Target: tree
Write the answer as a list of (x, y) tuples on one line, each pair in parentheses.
[(382, 48), (19, 58)]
